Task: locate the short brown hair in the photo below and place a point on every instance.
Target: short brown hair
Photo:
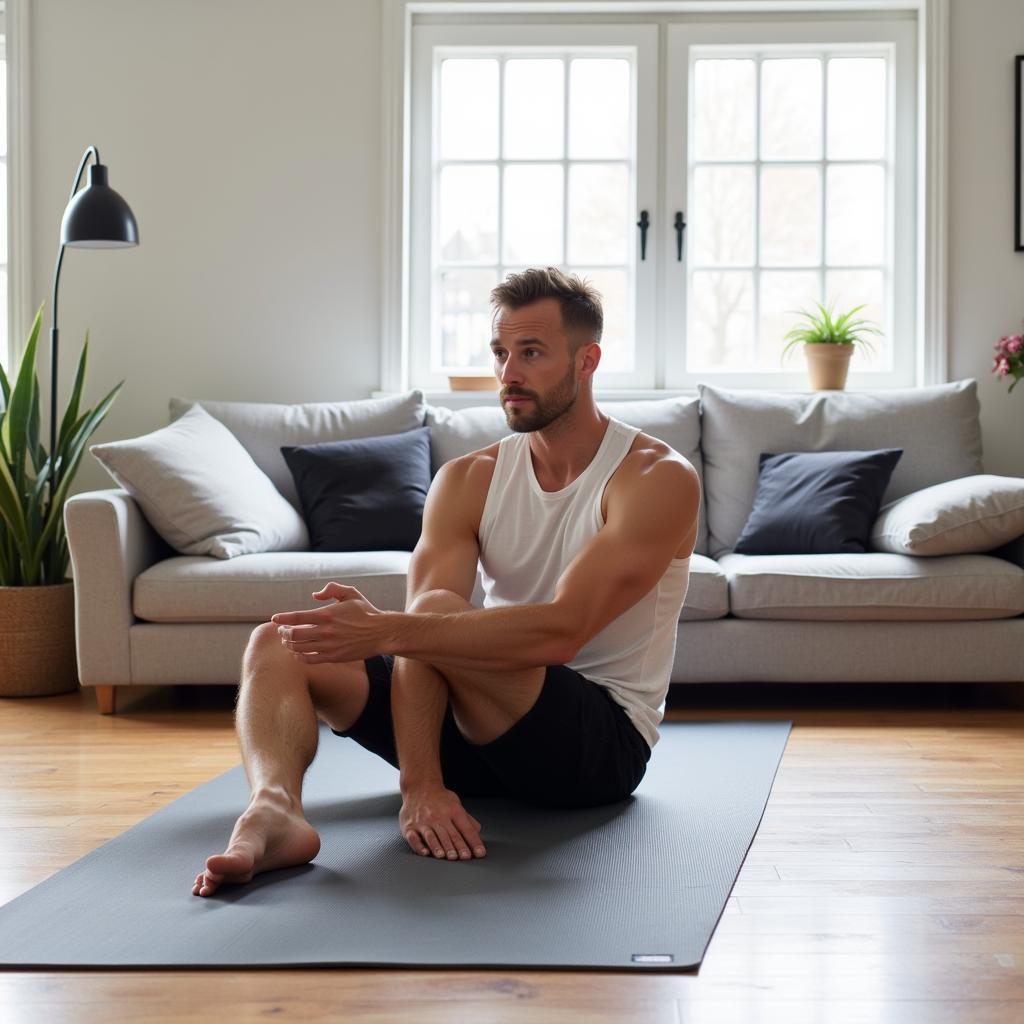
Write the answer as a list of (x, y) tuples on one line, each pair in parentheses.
[(580, 301)]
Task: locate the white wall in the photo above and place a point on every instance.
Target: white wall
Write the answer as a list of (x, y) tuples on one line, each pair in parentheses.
[(246, 136), (986, 277)]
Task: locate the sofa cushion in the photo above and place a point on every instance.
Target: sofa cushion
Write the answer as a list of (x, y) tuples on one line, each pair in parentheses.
[(816, 502), (937, 428), (263, 427), (972, 514), (201, 491), (366, 494), (707, 595), (254, 587), (872, 585), (675, 421)]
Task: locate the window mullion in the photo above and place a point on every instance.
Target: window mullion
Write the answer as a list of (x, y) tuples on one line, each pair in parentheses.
[(501, 169), (565, 160), (824, 178), (756, 283)]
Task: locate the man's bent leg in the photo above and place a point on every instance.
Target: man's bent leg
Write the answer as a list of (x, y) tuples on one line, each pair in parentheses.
[(486, 703), (432, 815), (277, 729)]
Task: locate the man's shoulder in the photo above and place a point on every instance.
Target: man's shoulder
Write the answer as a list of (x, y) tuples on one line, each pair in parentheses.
[(472, 473), (647, 452)]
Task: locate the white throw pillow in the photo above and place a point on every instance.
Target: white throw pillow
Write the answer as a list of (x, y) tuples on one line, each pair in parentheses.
[(263, 428), (201, 490), (970, 514)]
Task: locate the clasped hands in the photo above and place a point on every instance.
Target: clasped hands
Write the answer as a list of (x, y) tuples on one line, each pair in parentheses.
[(350, 630)]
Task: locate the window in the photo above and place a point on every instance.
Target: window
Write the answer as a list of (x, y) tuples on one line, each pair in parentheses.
[(5, 347), (778, 170), (527, 148), (792, 150)]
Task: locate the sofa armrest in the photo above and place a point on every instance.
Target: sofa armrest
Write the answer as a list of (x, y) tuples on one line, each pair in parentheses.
[(1012, 552), (110, 542)]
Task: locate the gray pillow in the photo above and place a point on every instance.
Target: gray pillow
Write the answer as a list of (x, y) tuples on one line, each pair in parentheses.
[(964, 516), (201, 491), (263, 428), (937, 428)]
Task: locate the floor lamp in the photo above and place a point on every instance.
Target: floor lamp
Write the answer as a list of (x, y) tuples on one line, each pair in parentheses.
[(95, 218)]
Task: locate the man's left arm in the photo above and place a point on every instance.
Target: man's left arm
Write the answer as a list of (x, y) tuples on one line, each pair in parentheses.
[(654, 511), (646, 526)]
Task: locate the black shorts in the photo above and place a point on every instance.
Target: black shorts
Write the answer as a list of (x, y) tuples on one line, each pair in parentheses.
[(574, 748)]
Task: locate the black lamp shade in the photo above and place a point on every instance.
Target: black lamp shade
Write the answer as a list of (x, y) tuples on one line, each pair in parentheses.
[(97, 217)]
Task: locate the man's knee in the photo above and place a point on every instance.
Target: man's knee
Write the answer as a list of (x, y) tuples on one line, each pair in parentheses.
[(263, 633), (439, 601)]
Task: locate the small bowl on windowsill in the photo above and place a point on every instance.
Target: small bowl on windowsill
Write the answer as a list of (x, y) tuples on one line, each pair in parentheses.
[(474, 382)]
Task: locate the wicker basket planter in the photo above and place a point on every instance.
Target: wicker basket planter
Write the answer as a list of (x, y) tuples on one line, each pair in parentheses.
[(37, 640)]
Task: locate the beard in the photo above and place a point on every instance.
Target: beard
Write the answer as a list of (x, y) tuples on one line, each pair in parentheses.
[(543, 410)]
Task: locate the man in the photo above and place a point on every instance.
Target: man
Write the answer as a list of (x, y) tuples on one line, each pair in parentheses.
[(552, 692)]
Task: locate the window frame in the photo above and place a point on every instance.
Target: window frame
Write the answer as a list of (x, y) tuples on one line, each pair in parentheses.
[(431, 45), (14, 25), (932, 147), (901, 171)]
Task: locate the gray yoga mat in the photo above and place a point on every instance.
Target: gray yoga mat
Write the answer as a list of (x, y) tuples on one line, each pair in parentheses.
[(639, 884)]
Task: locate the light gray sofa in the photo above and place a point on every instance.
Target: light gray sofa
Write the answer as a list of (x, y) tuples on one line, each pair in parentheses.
[(148, 615)]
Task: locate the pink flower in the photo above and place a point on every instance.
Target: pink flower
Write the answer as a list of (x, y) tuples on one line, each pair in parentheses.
[(1002, 367), (1014, 343)]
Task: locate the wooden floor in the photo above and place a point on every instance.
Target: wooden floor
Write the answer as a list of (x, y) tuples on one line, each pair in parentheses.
[(886, 881)]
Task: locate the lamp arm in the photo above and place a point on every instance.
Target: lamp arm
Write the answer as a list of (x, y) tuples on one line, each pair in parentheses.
[(54, 334), (60, 254), (81, 167)]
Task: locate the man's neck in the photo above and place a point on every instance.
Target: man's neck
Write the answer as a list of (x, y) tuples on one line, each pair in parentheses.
[(562, 451)]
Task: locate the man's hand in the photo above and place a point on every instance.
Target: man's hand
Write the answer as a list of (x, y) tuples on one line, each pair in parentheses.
[(434, 817), (349, 630)]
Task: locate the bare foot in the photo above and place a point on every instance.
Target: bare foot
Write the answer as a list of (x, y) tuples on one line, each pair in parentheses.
[(268, 835)]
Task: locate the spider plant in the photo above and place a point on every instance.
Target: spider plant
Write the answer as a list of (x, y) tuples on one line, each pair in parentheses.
[(823, 328)]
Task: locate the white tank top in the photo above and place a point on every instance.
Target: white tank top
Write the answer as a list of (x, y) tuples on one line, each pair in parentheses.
[(529, 536)]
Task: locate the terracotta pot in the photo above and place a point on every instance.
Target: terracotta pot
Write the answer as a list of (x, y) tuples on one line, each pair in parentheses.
[(37, 640), (828, 365)]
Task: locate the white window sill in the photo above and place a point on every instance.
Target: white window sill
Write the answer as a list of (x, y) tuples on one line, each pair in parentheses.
[(468, 399)]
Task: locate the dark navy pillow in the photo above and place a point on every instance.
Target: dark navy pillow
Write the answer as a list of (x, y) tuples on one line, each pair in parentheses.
[(365, 494), (811, 503)]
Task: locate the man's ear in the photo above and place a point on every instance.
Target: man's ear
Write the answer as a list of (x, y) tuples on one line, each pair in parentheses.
[(591, 358)]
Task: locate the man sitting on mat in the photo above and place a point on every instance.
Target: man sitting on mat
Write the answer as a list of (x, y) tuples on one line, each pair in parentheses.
[(552, 692)]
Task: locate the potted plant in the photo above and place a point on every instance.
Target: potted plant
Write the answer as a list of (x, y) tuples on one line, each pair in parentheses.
[(37, 623), (828, 344), (1009, 360)]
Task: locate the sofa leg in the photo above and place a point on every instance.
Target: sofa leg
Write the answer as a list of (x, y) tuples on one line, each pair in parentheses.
[(105, 698)]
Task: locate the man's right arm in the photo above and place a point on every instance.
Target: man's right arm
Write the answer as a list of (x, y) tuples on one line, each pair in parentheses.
[(445, 558)]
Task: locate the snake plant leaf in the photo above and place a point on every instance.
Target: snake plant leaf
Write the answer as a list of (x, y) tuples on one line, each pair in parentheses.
[(64, 451), (71, 413), (35, 451), (74, 454), (13, 431), (10, 506)]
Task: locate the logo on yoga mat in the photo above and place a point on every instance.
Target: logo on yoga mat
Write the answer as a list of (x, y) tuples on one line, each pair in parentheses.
[(653, 958)]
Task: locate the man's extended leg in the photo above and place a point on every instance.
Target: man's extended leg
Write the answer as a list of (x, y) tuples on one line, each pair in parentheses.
[(276, 721)]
